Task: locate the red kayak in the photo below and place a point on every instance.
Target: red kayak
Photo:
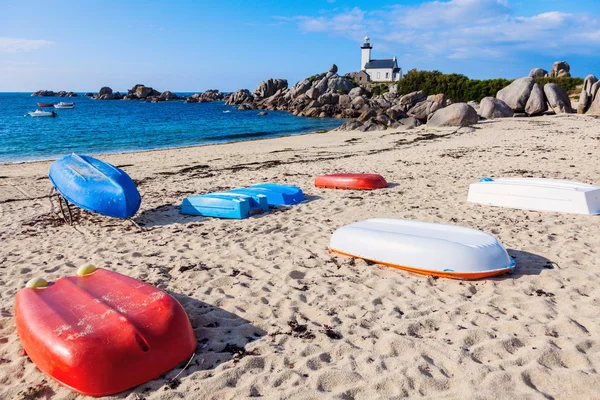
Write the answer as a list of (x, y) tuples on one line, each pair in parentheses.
[(351, 181), (45, 105), (102, 333)]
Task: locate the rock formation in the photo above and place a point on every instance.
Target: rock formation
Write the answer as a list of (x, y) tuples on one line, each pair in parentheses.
[(587, 94), (517, 93), (558, 99), (458, 114), (167, 95), (424, 109), (536, 104), (491, 108), (205, 97), (241, 96), (538, 73), (560, 69), (269, 87), (50, 93)]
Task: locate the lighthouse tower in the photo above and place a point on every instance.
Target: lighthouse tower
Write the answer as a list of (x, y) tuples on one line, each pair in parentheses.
[(366, 53)]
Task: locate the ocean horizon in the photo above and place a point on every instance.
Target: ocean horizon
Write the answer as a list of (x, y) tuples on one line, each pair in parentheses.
[(114, 126)]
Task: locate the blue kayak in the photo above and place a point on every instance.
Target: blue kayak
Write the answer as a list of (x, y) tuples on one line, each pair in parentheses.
[(277, 195), (95, 186), (224, 205)]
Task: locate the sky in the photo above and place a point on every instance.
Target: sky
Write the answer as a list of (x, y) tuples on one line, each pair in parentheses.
[(231, 44)]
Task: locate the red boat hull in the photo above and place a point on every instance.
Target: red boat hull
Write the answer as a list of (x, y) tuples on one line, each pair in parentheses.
[(351, 181), (102, 333), (45, 105)]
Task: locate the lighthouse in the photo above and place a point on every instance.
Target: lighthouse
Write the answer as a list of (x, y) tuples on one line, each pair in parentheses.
[(366, 53), (382, 70)]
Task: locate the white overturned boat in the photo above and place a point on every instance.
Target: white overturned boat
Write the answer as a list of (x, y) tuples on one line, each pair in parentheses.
[(447, 251), (537, 194), (40, 113), (62, 105)]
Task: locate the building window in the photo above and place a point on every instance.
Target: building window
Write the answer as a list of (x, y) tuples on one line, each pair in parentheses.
[(378, 75), (387, 75)]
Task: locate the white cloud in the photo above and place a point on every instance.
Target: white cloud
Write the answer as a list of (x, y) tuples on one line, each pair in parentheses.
[(14, 45), (462, 29)]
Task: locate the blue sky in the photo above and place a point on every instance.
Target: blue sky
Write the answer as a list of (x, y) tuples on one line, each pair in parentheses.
[(232, 44)]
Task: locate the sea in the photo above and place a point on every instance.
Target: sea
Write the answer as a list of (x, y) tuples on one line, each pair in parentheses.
[(114, 126)]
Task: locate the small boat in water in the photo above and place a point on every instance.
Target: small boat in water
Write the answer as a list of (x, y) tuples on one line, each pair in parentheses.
[(45, 104), (539, 194), (447, 251), (63, 105), (40, 113), (95, 185), (351, 181)]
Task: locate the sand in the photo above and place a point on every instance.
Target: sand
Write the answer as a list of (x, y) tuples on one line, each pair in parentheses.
[(276, 316)]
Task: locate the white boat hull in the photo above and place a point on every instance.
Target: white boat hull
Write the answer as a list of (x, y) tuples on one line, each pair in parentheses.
[(427, 248), (41, 114), (537, 194)]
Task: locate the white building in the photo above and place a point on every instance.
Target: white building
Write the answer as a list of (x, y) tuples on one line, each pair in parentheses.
[(384, 70)]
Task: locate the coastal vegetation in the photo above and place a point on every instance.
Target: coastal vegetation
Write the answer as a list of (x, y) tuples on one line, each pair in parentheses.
[(459, 88)]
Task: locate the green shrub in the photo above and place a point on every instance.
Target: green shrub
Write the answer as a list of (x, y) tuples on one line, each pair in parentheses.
[(456, 87), (567, 84), (460, 88), (312, 78), (380, 89)]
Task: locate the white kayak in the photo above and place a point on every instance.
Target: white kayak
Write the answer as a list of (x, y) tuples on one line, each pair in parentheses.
[(63, 105), (40, 113), (447, 251), (537, 194)]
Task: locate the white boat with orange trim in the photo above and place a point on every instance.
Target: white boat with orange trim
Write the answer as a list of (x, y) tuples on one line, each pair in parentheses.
[(539, 194), (64, 106), (447, 251)]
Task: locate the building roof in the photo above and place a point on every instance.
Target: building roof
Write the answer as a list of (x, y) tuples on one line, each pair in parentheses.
[(383, 63)]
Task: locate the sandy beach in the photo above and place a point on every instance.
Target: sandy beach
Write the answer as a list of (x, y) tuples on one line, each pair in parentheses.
[(278, 317)]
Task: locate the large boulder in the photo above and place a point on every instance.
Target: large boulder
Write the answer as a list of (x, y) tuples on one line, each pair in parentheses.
[(586, 97), (105, 90), (594, 107), (558, 99), (457, 114), (339, 84), (355, 92), (333, 69), (167, 95), (350, 125), (300, 88), (313, 93), (589, 81), (269, 87), (439, 98), (594, 90), (241, 96), (536, 104), (367, 114), (43, 93), (142, 92), (560, 69), (517, 93), (423, 109), (538, 73), (491, 108), (409, 100), (395, 113)]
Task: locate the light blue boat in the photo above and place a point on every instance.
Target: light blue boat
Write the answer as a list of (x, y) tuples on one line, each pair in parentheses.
[(224, 205), (95, 185), (277, 195)]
